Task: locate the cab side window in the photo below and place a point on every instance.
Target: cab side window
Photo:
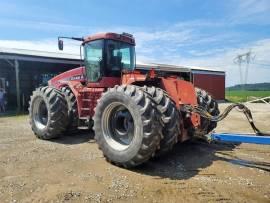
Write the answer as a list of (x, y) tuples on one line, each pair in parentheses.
[(93, 59)]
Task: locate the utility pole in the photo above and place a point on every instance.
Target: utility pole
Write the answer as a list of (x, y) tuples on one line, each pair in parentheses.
[(240, 59), (17, 71), (17, 76)]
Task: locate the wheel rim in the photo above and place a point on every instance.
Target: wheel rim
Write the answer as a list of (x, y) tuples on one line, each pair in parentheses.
[(40, 113), (118, 126)]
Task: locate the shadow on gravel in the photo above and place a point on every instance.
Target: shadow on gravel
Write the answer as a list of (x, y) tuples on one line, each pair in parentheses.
[(186, 160), (75, 138), (241, 162)]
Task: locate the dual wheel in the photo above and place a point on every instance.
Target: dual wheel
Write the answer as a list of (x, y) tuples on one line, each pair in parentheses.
[(132, 124), (53, 112), (48, 113)]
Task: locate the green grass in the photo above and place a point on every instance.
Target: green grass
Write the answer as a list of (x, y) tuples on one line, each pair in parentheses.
[(245, 95), (13, 114)]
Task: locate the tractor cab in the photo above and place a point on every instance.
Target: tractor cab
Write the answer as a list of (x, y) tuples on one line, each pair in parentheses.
[(107, 55)]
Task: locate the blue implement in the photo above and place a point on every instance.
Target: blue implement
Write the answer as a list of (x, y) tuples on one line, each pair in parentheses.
[(242, 138)]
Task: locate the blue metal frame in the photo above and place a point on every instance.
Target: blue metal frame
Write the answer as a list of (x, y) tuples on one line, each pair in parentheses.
[(242, 138)]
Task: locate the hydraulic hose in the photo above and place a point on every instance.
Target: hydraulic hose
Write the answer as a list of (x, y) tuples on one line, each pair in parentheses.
[(240, 107)]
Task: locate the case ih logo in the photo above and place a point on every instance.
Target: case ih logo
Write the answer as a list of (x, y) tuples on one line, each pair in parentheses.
[(76, 77)]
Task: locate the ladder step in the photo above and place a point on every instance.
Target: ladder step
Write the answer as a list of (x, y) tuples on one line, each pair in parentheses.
[(84, 118), (85, 109), (83, 127), (83, 123), (86, 99)]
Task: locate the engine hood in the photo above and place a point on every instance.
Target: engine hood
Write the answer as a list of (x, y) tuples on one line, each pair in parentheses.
[(77, 74)]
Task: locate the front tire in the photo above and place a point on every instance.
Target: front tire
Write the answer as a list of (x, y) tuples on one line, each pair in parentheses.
[(48, 113), (125, 125), (73, 117)]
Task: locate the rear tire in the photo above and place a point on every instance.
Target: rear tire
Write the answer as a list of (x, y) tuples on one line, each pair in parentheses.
[(169, 118), (206, 102), (72, 110), (141, 131), (48, 113)]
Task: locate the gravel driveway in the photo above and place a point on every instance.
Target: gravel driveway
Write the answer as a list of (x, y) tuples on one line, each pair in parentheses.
[(72, 169)]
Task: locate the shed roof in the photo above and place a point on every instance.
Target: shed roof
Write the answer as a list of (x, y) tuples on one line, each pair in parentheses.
[(176, 67), (38, 56), (62, 57)]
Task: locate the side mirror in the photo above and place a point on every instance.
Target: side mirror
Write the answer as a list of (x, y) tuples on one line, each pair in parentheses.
[(60, 44)]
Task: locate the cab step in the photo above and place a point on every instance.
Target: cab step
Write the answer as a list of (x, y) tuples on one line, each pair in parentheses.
[(85, 123)]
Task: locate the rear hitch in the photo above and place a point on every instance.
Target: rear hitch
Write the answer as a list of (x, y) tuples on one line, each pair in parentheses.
[(240, 107)]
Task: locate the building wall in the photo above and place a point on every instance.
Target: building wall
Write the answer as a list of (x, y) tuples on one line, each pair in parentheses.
[(8, 74), (213, 83), (32, 74)]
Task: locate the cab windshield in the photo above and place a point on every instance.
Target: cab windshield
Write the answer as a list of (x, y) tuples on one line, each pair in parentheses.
[(108, 58), (120, 56)]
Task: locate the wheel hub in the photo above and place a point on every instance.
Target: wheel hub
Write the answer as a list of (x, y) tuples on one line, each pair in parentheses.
[(118, 126), (40, 113)]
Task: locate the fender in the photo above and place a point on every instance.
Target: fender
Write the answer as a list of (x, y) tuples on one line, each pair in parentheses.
[(172, 85), (132, 77), (181, 92)]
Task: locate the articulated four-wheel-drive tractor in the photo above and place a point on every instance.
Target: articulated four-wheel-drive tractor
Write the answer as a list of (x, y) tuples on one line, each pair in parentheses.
[(135, 114)]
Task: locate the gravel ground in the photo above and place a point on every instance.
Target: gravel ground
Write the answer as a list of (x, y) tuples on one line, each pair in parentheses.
[(72, 169)]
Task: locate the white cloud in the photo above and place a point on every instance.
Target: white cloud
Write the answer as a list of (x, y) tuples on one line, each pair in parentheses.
[(250, 12), (40, 25), (224, 60), (253, 7), (49, 45), (181, 43), (215, 59)]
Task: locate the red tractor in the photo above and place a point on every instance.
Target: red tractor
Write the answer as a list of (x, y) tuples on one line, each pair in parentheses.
[(136, 114)]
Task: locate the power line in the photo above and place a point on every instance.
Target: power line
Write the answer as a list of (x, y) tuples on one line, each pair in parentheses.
[(263, 61), (261, 64)]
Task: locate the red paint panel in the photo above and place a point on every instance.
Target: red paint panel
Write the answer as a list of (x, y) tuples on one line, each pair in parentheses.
[(182, 92), (134, 76), (105, 82), (76, 74), (213, 84), (109, 35), (88, 100)]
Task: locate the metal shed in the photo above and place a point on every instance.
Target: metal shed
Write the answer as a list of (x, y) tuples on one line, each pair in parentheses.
[(22, 70), (211, 80)]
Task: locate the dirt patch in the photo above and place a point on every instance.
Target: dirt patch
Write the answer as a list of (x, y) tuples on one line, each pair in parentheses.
[(72, 169)]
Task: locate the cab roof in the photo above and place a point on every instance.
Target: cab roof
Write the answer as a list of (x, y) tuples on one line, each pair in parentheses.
[(124, 37)]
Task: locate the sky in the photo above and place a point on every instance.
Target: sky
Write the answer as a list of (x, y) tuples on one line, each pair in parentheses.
[(205, 33)]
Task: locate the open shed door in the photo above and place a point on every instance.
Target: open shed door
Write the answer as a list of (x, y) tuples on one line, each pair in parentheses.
[(3, 84)]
